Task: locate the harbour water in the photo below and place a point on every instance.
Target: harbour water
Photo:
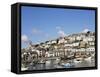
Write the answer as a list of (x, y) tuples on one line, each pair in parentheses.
[(53, 65)]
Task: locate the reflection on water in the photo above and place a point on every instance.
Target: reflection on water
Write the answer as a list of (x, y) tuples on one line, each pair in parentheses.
[(85, 64), (52, 65)]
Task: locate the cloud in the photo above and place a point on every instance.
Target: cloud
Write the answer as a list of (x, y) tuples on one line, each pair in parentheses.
[(39, 32), (24, 38), (60, 31), (85, 30), (36, 31), (58, 28), (46, 35)]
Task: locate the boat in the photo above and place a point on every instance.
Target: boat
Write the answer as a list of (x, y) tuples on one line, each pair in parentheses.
[(78, 60), (23, 68), (66, 65), (88, 59), (41, 62)]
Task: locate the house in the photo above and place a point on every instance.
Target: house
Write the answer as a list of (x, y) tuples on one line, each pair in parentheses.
[(68, 45), (86, 39), (83, 44), (73, 50), (46, 46), (55, 47), (61, 40), (75, 44), (90, 49), (65, 41), (72, 39), (48, 42), (51, 54), (82, 35), (82, 49), (47, 54), (53, 42), (78, 38), (91, 43)]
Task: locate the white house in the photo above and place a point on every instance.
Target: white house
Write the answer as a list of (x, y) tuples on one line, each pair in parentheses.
[(78, 38), (72, 39), (82, 35), (46, 46), (49, 42), (55, 47), (73, 50), (87, 39), (68, 45), (53, 41), (61, 40), (51, 54), (91, 43), (65, 41), (46, 54), (82, 49), (91, 49), (76, 44)]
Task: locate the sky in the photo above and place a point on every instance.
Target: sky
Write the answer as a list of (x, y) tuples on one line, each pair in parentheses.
[(40, 24)]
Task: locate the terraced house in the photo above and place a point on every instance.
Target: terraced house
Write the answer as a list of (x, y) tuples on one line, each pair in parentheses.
[(73, 48)]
